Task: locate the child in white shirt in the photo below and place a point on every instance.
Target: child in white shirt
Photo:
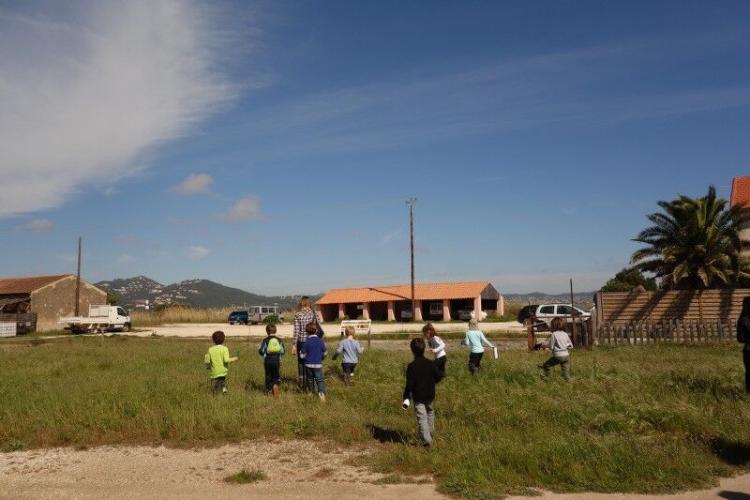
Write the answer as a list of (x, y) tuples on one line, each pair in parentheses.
[(437, 346)]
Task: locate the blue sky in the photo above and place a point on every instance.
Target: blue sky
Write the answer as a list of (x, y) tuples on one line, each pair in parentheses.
[(271, 146)]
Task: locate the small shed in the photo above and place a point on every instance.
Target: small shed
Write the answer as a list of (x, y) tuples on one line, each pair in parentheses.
[(38, 302)]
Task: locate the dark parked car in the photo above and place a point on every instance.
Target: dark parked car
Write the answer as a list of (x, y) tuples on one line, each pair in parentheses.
[(239, 318)]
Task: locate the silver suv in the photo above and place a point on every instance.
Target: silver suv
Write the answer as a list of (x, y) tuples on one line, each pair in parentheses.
[(544, 313)]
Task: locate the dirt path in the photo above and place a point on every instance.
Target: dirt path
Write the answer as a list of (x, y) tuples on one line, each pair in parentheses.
[(734, 488), (285, 330), (294, 469)]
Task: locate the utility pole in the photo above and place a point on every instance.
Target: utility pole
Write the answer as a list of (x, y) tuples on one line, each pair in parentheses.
[(411, 202), (78, 280), (573, 313)]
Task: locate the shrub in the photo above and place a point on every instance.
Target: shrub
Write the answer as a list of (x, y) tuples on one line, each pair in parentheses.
[(245, 477), (273, 319)]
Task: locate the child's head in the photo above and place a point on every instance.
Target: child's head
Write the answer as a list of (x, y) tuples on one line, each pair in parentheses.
[(417, 347), (428, 330), (218, 337), (558, 324), (349, 330), (473, 324), (311, 328), (270, 330)]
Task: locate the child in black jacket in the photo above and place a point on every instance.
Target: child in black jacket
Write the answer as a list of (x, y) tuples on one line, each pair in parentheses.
[(421, 377)]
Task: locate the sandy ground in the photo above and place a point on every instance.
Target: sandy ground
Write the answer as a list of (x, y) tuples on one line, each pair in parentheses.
[(285, 330), (735, 488), (294, 469)]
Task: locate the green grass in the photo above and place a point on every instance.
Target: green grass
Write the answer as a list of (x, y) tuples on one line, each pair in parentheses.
[(644, 419), (245, 477)]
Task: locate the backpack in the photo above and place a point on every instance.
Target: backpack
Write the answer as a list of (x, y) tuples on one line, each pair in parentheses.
[(274, 346)]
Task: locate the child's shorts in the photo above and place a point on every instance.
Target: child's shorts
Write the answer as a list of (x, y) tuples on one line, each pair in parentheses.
[(349, 368)]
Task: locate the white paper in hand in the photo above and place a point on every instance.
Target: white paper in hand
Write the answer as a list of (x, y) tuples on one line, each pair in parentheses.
[(494, 352)]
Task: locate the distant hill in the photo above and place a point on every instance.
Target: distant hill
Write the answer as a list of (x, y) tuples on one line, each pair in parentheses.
[(207, 293), (582, 299), (195, 293)]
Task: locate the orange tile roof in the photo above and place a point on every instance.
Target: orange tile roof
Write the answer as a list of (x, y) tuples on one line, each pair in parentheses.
[(740, 191), (27, 284), (422, 291)]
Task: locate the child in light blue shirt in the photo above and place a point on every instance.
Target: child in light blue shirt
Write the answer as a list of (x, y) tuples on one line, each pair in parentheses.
[(350, 348), (476, 341)]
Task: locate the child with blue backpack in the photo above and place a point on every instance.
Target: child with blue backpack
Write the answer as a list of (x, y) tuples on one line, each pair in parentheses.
[(272, 348)]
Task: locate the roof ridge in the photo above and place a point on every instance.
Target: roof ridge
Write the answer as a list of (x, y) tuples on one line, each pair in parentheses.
[(35, 276), (426, 283)]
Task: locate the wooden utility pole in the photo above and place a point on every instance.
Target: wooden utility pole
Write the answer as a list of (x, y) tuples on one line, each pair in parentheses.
[(411, 202), (78, 280), (573, 312)]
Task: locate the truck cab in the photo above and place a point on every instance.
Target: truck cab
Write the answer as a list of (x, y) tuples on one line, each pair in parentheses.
[(101, 318)]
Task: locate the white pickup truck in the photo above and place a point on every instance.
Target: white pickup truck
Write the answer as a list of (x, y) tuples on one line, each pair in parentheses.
[(101, 318)]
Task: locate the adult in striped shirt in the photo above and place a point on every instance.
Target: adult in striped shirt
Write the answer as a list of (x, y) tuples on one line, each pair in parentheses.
[(302, 317)]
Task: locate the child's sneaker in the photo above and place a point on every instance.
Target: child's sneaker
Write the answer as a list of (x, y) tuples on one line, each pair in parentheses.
[(224, 391), (322, 397)]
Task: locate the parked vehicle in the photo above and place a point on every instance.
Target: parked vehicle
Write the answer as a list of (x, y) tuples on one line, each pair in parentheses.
[(101, 318), (436, 310), (467, 314), (258, 313), (544, 313), (239, 318)]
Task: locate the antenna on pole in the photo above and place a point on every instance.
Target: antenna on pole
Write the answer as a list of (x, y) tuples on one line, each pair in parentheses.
[(411, 202), (78, 280)]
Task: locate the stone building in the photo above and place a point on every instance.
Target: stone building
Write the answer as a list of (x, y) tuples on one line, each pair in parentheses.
[(741, 196), (49, 298)]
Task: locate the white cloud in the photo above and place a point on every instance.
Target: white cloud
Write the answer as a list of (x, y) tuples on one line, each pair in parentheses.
[(88, 93), (194, 184), (125, 259), (198, 252), (247, 208), (39, 225), (390, 236)]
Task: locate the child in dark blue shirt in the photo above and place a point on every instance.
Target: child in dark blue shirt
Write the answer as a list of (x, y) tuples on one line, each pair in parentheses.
[(313, 352)]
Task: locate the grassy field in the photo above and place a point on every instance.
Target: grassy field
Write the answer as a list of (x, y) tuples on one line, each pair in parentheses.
[(647, 419)]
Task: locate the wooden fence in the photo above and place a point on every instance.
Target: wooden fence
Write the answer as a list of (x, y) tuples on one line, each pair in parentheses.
[(658, 332), (685, 305), (25, 323)]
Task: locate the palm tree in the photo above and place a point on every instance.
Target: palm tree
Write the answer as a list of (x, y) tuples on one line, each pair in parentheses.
[(695, 243)]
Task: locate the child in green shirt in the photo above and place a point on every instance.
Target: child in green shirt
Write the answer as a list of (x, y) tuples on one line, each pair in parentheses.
[(217, 360)]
